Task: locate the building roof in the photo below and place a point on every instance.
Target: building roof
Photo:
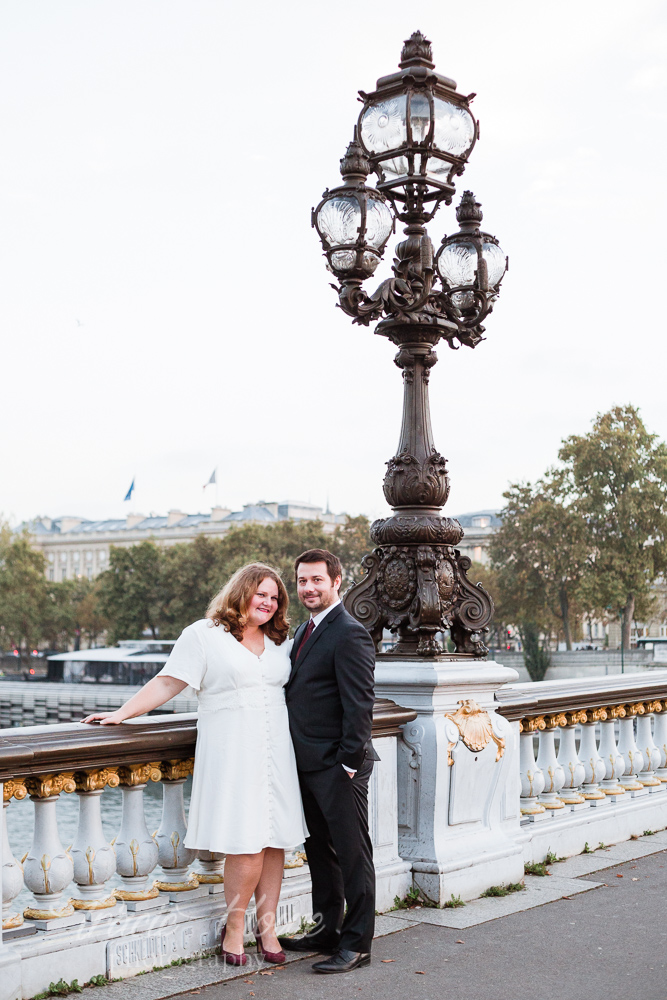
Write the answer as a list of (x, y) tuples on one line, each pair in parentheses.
[(466, 520), (266, 512)]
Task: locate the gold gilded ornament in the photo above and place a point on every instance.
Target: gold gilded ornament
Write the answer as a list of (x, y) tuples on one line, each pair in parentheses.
[(93, 781), (14, 788), (151, 893), (140, 774), (474, 725), (32, 914), (94, 904), (192, 883), (43, 786), (175, 770)]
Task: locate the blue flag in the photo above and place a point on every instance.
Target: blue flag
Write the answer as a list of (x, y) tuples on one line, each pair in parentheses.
[(212, 480), (128, 495)]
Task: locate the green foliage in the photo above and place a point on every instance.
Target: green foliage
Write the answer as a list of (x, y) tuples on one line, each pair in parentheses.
[(412, 898), (504, 890), (453, 902), (98, 981), (60, 989), (648, 833), (26, 609), (131, 591), (536, 868), (163, 589), (351, 542), (587, 849), (536, 654), (619, 472), (541, 553), (590, 537), (552, 858)]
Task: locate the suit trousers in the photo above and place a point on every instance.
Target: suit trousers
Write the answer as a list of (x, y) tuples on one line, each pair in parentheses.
[(340, 855)]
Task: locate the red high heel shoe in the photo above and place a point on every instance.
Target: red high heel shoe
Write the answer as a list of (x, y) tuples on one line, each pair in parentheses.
[(230, 956), (277, 957)]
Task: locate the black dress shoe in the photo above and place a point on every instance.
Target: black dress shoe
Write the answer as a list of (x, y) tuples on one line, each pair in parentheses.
[(343, 961), (307, 944)]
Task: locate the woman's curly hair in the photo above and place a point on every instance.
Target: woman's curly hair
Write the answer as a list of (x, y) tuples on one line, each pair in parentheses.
[(229, 608)]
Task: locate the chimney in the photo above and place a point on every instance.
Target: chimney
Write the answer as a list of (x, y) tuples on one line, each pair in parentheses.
[(132, 520), (220, 513), (69, 523), (174, 516)]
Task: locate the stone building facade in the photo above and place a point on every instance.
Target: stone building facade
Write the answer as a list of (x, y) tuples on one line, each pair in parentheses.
[(77, 547)]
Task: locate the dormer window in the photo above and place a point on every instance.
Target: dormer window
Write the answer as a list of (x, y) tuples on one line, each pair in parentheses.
[(481, 522)]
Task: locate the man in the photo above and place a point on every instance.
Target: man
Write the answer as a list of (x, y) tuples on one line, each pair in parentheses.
[(330, 699)]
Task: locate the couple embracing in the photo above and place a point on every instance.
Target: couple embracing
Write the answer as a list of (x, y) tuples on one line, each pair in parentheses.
[(283, 756)]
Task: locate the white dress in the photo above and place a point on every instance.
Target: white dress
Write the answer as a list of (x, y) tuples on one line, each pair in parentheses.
[(245, 789)]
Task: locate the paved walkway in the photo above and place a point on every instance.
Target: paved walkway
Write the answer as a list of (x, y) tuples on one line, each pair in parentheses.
[(595, 929)]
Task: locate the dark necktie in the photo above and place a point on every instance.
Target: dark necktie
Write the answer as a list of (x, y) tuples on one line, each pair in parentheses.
[(310, 628)]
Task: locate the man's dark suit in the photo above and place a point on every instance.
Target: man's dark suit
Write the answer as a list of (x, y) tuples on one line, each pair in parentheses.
[(330, 698)]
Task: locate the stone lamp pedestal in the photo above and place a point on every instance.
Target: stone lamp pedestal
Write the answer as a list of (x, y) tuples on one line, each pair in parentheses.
[(458, 775)]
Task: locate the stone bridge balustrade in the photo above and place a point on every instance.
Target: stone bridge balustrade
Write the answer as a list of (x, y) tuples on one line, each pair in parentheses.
[(101, 908), (609, 736)]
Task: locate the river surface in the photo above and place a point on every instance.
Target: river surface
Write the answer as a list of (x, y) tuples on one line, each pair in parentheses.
[(20, 823)]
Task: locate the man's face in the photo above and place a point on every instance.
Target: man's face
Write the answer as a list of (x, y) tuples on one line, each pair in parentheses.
[(316, 590)]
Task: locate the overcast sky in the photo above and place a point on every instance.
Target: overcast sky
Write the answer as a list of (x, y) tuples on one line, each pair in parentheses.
[(164, 304)]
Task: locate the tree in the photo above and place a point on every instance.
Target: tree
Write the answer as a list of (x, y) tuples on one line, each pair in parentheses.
[(25, 607), (351, 542), (619, 473), (278, 545), (77, 612), (192, 573), (132, 595), (542, 551)]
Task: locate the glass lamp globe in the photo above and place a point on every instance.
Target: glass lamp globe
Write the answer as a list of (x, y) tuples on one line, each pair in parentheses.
[(416, 129), (353, 221), (470, 259)]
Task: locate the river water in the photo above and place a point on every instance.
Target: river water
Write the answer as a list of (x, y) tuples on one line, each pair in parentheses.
[(20, 822)]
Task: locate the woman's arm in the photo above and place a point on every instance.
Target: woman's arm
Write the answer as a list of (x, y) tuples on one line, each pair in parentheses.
[(156, 692)]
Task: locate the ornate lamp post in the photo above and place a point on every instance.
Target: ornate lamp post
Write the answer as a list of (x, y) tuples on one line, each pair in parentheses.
[(415, 132)]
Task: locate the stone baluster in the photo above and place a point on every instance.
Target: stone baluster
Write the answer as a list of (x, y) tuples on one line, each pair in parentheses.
[(613, 759), (173, 856), (532, 779), (12, 870), (594, 766), (568, 759), (554, 778), (136, 849), (632, 755), (93, 856), (650, 751), (48, 868), (211, 870), (660, 738)]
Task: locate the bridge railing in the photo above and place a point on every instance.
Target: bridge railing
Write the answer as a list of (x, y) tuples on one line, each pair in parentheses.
[(593, 759), (95, 892)]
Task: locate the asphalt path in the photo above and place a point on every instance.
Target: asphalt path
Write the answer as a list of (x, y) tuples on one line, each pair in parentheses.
[(606, 944)]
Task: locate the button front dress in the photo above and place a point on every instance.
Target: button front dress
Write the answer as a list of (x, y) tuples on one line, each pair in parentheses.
[(245, 789)]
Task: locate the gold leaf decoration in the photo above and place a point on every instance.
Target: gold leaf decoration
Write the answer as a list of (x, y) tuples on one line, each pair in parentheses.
[(474, 725)]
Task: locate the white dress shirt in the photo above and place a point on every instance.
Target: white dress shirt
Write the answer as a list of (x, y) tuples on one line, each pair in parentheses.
[(316, 619)]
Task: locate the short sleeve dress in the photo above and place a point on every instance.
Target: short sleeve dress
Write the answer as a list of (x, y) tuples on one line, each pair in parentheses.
[(245, 789)]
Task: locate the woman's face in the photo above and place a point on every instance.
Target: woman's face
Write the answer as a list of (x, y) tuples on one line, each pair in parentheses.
[(264, 603)]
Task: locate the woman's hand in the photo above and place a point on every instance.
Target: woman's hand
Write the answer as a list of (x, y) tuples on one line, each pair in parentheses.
[(106, 718), (156, 692)]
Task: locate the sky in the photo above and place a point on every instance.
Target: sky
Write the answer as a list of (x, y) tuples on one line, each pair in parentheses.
[(164, 305)]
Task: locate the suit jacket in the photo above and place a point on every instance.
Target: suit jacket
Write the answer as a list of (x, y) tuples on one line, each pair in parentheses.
[(330, 694)]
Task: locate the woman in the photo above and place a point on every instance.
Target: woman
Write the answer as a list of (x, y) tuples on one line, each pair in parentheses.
[(245, 792)]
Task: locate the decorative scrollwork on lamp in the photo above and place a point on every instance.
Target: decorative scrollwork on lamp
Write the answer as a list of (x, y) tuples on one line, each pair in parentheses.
[(415, 132)]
